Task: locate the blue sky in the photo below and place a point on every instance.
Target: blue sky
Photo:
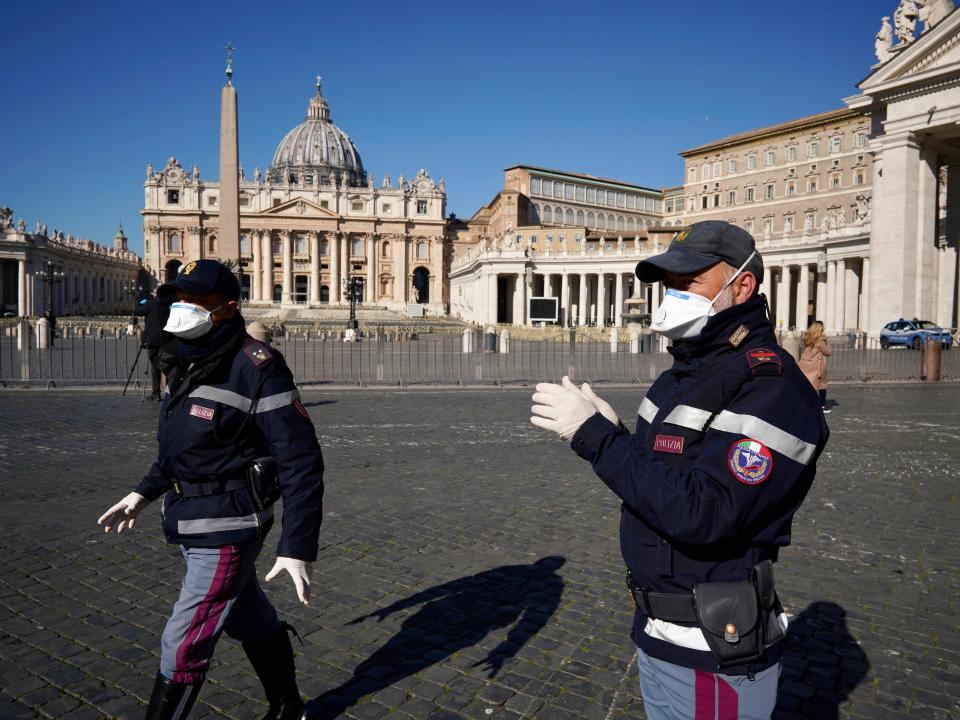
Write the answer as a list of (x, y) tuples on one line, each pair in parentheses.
[(95, 91)]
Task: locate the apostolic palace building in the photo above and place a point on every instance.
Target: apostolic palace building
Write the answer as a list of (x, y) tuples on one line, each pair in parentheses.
[(315, 219)]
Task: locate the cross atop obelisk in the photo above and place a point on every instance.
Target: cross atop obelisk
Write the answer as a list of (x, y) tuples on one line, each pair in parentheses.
[(229, 48)]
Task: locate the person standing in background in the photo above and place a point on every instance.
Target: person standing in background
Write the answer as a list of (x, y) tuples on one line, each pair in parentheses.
[(813, 360)]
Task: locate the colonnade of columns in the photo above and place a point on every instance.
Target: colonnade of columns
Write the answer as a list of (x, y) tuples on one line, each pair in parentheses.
[(583, 298), (838, 297), (78, 290)]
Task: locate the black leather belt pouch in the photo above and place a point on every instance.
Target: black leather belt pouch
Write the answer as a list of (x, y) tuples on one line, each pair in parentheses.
[(738, 619), (264, 483)]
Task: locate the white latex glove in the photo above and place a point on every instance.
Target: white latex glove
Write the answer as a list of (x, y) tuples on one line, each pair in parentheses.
[(300, 572), (561, 408), (602, 406), (123, 515)]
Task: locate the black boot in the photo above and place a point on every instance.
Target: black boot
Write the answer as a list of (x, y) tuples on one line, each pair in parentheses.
[(272, 659), (171, 700)]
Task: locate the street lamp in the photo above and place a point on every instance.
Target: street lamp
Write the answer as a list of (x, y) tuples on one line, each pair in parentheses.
[(132, 289), (51, 276), (355, 295)]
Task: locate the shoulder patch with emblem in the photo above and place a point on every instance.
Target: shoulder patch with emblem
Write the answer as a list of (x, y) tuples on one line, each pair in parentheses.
[(764, 362), (750, 461), (257, 352)]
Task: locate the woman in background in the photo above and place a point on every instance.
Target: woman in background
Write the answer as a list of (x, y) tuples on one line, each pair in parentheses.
[(813, 360)]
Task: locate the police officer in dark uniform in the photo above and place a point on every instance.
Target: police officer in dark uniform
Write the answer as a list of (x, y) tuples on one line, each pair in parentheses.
[(233, 438), (724, 453)]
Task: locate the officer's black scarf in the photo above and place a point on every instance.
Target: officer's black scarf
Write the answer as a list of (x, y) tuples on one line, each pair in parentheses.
[(200, 358)]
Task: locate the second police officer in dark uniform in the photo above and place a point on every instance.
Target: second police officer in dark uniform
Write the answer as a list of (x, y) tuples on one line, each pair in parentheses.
[(724, 453), (233, 438)]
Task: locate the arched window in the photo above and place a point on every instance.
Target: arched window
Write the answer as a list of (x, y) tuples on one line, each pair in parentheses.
[(385, 248), (579, 217), (569, 216), (356, 248), (611, 223), (547, 214), (421, 250), (630, 224), (212, 244), (173, 244), (601, 223), (591, 219), (536, 213), (620, 225)]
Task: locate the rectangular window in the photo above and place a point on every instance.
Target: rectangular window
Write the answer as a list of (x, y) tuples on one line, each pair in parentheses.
[(751, 161), (812, 185), (813, 148), (791, 189), (421, 207), (732, 197), (770, 158), (834, 181), (858, 178), (325, 203), (300, 245), (591, 195), (716, 200), (792, 153), (669, 206), (533, 241), (356, 206), (705, 172), (173, 197), (692, 174), (244, 201), (767, 226), (748, 226), (703, 202), (568, 192), (836, 144), (731, 166), (277, 201), (387, 207), (691, 203), (211, 200), (632, 202), (534, 186), (860, 139), (768, 192), (621, 200), (601, 197), (548, 187), (581, 193), (750, 195), (809, 221), (716, 169)]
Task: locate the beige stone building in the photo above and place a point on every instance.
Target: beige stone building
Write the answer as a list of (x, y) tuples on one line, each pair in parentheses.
[(550, 233), (802, 189), (312, 221), (88, 278)]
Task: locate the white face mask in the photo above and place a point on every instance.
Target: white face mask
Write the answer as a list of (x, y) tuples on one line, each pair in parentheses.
[(683, 314), (189, 321)]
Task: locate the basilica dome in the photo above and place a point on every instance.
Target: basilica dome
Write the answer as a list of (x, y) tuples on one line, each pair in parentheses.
[(317, 151)]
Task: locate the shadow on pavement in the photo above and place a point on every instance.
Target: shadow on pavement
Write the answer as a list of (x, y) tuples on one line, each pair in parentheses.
[(822, 664), (454, 616)]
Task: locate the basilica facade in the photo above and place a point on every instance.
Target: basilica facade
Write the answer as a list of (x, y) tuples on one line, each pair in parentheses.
[(310, 224)]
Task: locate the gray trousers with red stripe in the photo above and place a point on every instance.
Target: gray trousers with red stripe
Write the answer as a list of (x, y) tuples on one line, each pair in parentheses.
[(672, 692), (220, 593)]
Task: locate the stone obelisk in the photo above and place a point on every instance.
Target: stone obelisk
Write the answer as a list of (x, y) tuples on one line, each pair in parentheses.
[(229, 169)]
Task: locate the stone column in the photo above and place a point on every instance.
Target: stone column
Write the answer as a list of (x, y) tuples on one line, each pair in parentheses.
[(492, 298), (564, 298), (520, 299), (820, 307), (256, 282), (928, 207), (21, 287), (344, 262), (829, 320), (286, 238), (371, 293), (864, 292), (601, 299), (400, 251), (315, 268), (851, 300), (783, 298), (618, 302), (767, 283), (949, 306), (333, 244), (840, 296), (584, 307), (803, 298), (266, 251)]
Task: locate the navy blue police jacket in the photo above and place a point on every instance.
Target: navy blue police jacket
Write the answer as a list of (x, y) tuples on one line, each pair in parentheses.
[(724, 453), (217, 416)]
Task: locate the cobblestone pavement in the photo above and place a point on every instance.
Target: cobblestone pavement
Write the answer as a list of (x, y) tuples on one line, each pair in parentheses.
[(469, 565)]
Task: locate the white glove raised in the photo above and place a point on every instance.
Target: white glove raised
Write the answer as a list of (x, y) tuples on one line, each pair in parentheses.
[(123, 515), (602, 406), (300, 572), (561, 408)]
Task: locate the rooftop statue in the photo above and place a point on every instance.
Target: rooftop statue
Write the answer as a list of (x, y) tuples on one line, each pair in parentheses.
[(884, 41), (905, 20)]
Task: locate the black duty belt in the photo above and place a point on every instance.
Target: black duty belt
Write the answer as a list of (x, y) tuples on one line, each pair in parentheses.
[(671, 607), (213, 487)]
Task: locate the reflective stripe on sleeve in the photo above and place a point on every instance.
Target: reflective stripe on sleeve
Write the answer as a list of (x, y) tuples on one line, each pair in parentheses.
[(234, 400), (748, 425), (648, 411), (212, 525)]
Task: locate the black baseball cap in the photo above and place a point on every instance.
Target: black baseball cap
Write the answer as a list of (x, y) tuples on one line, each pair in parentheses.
[(203, 277), (696, 247)]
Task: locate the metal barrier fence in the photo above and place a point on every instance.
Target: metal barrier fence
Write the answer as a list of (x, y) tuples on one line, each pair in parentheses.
[(405, 358)]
